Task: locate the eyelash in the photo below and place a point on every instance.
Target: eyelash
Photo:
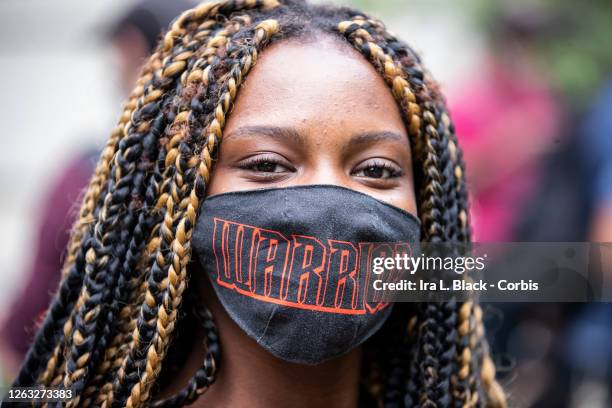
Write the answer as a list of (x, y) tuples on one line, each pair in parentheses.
[(251, 162), (395, 171)]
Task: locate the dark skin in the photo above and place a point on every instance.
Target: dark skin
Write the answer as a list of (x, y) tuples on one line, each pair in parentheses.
[(309, 113)]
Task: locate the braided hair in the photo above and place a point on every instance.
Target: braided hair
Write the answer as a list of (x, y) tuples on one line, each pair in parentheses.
[(124, 282)]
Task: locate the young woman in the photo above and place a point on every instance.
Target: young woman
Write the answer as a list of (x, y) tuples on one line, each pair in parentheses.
[(292, 132)]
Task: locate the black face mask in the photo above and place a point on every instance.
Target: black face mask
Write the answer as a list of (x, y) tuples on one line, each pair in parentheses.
[(291, 265)]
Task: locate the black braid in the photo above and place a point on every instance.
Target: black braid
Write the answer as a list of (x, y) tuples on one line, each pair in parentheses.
[(206, 374), (113, 240)]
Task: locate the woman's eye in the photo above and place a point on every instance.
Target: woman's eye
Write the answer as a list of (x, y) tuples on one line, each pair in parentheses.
[(268, 167), (378, 170)]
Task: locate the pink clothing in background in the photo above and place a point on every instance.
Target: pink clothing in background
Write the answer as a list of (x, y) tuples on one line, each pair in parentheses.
[(58, 212), (503, 123)]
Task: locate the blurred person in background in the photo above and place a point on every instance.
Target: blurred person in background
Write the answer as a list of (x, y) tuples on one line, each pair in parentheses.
[(574, 203), (507, 117), (132, 37), (511, 121), (587, 344), (597, 152), (542, 171)]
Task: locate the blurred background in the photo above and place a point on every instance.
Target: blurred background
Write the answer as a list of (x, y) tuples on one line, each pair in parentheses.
[(529, 85)]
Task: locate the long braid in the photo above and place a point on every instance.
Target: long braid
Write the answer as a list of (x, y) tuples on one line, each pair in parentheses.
[(124, 337), (205, 375), (104, 258), (443, 201), (47, 342), (126, 269), (116, 353), (454, 231), (127, 279), (497, 398), (362, 31), (463, 382), (156, 341), (99, 179)]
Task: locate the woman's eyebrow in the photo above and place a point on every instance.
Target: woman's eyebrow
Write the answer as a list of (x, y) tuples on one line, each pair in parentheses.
[(373, 137), (283, 134)]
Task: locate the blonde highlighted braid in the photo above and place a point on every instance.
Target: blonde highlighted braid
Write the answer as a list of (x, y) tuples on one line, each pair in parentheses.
[(108, 330)]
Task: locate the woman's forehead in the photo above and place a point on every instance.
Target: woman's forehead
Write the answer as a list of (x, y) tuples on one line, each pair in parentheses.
[(315, 83)]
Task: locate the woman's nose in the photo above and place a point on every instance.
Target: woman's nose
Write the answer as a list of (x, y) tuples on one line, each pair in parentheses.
[(324, 172)]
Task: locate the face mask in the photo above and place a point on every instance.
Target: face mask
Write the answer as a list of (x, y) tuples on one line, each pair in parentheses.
[(291, 265)]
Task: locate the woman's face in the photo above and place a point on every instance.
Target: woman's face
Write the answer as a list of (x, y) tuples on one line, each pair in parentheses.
[(316, 113)]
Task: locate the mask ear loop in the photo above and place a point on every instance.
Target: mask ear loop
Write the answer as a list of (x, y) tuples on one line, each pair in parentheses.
[(205, 376)]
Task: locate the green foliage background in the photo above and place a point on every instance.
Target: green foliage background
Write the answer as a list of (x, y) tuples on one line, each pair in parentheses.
[(577, 52)]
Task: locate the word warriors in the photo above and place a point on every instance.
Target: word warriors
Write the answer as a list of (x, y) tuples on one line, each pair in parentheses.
[(296, 270)]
